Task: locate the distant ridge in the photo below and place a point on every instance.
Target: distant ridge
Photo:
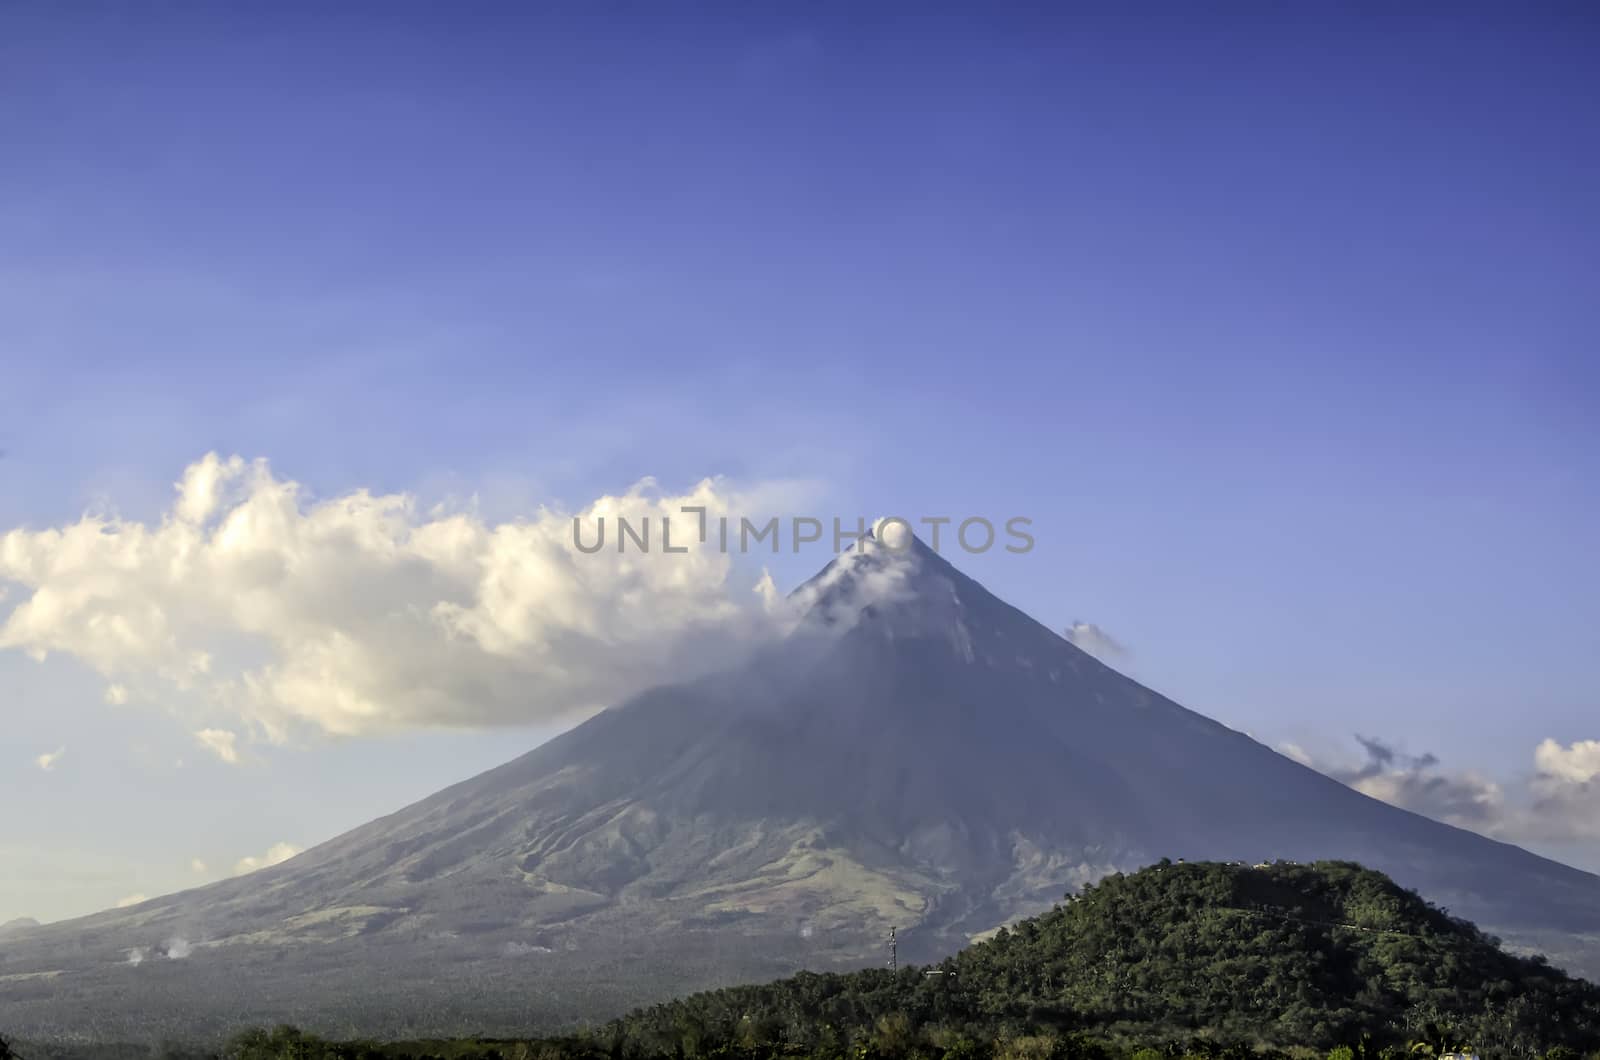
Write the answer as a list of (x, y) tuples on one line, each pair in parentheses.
[(17, 926)]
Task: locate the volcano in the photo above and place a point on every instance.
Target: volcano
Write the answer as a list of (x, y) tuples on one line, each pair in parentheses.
[(915, 754)]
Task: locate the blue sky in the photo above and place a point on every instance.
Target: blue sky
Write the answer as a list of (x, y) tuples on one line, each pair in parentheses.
[(1281, 328)]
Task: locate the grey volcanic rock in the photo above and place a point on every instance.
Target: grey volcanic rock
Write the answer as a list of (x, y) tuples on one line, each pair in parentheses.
[(915, 754)]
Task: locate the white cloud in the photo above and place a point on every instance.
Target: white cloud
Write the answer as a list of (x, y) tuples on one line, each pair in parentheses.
[(198, 867), (48, 760), (132, 899), (1094, 640), (1566, 790), (276, 854), (1577, 764), (116, 695), (219, 742), (253, 603)]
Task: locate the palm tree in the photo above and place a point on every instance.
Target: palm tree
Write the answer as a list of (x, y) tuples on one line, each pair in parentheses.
[(1435, 1040)]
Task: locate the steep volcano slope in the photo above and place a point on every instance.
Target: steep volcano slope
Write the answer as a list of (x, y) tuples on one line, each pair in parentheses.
[(916, 754)]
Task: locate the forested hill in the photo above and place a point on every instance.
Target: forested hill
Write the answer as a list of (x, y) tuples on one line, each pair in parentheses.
[(1313, 955)]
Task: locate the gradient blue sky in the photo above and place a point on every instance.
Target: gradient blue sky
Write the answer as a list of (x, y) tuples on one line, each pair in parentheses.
[(1280, 326)]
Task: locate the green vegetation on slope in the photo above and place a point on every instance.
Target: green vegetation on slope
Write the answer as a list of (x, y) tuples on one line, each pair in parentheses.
[(1282, 955), (1289, 954)]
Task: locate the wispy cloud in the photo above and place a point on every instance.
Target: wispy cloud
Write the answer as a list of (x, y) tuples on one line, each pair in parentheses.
[(219, 742), (48, 760), (1298, 753)]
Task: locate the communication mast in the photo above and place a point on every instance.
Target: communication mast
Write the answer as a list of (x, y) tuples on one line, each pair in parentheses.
[(894, 951)]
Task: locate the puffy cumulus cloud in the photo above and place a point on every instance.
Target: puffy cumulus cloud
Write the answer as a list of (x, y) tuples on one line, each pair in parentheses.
[(1576, 764), (251, 600), (1566, 789), (219, 742), (1094, 640), (275, 855), (48, 760)]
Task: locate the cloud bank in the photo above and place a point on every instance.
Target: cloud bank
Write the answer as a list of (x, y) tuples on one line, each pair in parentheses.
[(1465, 799), (266, 610), (1559, 801)]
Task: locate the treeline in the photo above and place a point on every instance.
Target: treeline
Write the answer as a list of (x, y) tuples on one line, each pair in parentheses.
[(893, 1037)]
